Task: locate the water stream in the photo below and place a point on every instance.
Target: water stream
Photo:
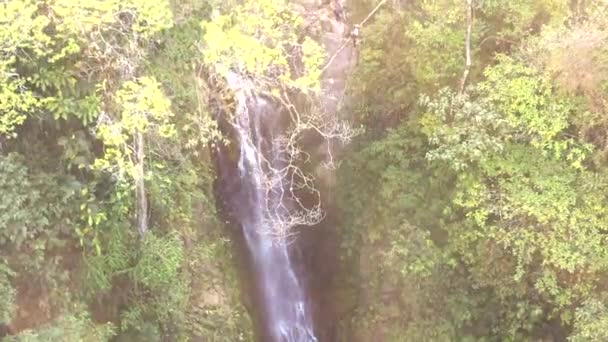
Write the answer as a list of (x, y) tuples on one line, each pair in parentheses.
[(284, 310), (285, 307)]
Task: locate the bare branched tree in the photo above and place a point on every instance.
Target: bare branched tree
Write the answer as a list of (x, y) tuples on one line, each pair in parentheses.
[(291, 196), (290, 179)]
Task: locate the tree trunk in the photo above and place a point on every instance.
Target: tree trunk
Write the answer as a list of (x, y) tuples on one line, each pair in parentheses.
[(142, 200), (467, 45)]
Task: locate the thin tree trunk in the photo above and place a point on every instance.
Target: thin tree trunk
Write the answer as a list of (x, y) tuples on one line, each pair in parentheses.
[(142, 205), (467, 46)]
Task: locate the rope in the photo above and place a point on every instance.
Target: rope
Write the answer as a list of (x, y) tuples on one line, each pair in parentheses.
[(333, 57)]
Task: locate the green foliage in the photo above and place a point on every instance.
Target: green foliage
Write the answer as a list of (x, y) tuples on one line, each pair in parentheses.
[(406, 52), (46, 51), (260, 39), (516, 20), (525, 99), (161, 293), (23, 28), (510, 237), (395, 246), (576, 59), (523, 190), (479, 215), (143, 104), (15, 103), (19, 31), (160, 261), (175, 67), (19, 194), (438, 26), (87, 16), (115, 257), (393, 172), (144, 109), (591, 322), (78, 80), (41, 210), (215, 309), (71, 328), (31, 204), (514, 104), (473, 129), (7, 294), (418, 47)]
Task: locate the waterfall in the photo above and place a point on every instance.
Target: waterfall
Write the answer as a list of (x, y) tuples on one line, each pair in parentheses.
[(285, 305)]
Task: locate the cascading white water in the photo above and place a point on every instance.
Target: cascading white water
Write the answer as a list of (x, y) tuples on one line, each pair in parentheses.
[(286, 307)]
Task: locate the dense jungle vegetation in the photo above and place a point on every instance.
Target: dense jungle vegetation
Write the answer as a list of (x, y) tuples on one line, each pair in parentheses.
[(473, 205)]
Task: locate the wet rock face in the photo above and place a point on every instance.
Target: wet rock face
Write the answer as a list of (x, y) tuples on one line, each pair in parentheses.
[(317, 247), (326, 19)]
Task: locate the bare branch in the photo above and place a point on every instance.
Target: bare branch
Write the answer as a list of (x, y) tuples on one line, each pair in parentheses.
[(291, 197)]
